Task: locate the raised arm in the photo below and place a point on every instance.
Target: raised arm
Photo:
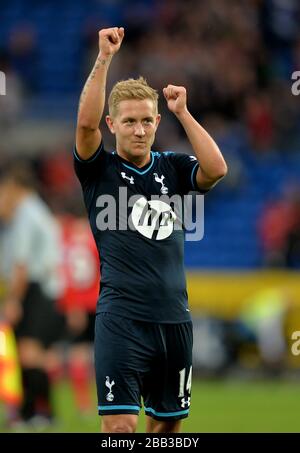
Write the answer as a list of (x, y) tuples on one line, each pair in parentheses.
[(92, 99), (212, 166)]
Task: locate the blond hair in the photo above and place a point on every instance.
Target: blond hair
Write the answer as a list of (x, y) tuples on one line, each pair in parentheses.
[(125, 90)]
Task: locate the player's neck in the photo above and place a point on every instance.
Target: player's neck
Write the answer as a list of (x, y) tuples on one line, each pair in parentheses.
[(138, 161)]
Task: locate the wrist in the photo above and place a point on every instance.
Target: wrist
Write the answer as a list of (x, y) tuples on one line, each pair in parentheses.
[(182, 114), (104, 58)]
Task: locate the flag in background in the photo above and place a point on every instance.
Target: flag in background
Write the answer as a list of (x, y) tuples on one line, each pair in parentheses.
[(11, 391)]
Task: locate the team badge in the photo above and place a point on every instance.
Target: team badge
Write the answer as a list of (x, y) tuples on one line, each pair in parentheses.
[(110, 396), (164, 190)]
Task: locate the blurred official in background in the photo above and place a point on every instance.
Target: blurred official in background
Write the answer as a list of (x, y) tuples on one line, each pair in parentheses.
[(30, 254)]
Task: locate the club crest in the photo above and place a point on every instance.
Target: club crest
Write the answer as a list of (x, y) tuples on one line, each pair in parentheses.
[(164, 190)]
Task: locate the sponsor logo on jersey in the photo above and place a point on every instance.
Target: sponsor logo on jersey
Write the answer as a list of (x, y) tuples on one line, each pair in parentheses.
[(154, 219)]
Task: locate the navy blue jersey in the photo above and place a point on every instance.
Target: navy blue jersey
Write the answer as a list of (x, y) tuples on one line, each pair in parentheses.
[(141, 251)]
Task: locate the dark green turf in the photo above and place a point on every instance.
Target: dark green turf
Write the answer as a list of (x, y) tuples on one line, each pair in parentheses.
[(217, 406)]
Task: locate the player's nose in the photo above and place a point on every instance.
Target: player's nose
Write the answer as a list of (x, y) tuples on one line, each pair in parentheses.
[(139, 130)]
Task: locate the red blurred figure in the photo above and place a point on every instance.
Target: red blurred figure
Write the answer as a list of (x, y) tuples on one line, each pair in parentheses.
[(279, 230), (80, 273), (80, 266), (259, 121)]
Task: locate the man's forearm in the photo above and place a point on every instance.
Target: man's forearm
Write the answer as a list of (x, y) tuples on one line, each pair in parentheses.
[(92, 99), (206, 150)]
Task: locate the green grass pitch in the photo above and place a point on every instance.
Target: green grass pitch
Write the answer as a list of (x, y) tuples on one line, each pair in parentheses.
[(217, 406)]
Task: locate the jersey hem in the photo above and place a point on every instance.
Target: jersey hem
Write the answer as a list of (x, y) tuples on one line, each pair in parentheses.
[(141, 319)]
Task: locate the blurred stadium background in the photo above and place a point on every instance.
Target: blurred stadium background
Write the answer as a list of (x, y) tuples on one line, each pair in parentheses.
[(236, 58)]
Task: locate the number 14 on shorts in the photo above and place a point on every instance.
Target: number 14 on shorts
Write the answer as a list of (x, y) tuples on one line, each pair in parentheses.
[(185, 385)]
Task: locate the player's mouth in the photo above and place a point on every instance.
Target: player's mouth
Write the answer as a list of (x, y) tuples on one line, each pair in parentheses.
[(138, 145)]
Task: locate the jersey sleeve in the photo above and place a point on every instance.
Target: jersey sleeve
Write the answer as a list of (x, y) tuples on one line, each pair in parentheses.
[(87, 170), (186, 167), (90, 172)]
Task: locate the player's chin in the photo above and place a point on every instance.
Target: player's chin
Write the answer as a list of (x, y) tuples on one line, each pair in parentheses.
[(139, 149)]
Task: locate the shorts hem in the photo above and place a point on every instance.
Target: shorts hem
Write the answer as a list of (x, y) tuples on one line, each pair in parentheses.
[(166, 417), (126, 409), (118, 412)]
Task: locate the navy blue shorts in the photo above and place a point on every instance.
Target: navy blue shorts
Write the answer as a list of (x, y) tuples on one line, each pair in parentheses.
[(137, 361)]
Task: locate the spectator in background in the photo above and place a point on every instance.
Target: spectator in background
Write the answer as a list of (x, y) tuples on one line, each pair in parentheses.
[(23, 53), (280, 25), (279, 230), (293, 236), (258, 38), (259, 122), (57, 177), (10, 104), (29, 260)]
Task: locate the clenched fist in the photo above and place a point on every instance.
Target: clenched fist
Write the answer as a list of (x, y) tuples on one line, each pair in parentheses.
[(110, 40), (176, 98)]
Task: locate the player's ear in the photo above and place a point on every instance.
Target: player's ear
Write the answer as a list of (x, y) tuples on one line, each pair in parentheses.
[(157, 120), (110, 124)]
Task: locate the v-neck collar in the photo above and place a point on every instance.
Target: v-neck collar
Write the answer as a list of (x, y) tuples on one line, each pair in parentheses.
[(135, 168)]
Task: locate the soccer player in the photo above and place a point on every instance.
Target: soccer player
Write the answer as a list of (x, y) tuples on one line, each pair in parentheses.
[(143, 328)]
